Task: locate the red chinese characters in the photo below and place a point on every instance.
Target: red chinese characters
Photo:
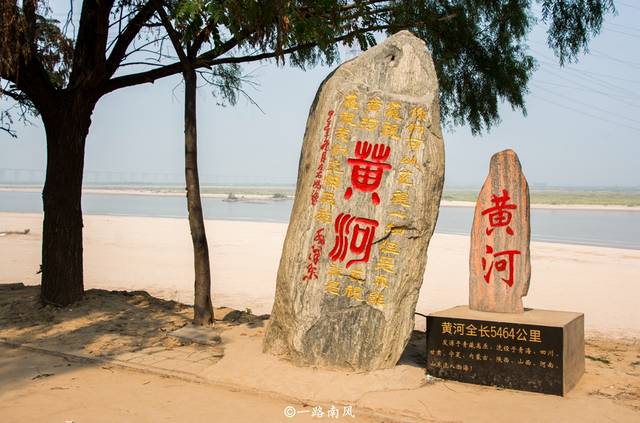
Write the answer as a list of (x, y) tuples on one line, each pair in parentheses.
[(314, 256), (367, 169), (499, 215), (353, 234), (368, 162), (503, 260)]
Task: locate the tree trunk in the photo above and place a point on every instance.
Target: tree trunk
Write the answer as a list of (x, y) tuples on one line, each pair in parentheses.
[(203, 310), (62, 271)]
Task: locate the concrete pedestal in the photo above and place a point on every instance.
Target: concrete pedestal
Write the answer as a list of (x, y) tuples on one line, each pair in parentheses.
[(538, 350)]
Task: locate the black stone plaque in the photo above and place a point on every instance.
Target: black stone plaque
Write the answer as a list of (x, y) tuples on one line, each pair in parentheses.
[(509, 355)]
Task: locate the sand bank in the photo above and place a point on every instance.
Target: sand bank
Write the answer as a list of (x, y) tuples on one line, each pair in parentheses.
[(154, 254)]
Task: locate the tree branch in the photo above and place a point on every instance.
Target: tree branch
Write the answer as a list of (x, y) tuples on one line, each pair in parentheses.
[(140, 63), (143, 49), (209, 59), (88, 55), (168, 70), (19, 97), (141, 78), (9, 131), (28, 73), (223, 48), (201, 38), (129, 34), (121, 18), (272, 54), (360, 4), (173, 36)]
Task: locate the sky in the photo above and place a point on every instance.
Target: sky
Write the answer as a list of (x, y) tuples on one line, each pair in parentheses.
[(582, 128)]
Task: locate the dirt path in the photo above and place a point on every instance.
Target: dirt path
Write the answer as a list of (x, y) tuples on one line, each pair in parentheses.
[(119, 332), (39, 387)]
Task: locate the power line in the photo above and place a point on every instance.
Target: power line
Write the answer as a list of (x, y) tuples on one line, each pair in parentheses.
[(628, 5), (585, 113), (591, 106), (551, 61), (608, 95), (632, 28), (623, 33), (632, 81), (597, 53), (622, 92), (591, 79)]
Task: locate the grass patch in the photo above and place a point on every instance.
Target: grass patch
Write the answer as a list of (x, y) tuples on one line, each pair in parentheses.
[(629, 198)]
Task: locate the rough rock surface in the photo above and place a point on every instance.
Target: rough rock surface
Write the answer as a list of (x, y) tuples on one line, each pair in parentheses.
[(369, 185), (499, 262)]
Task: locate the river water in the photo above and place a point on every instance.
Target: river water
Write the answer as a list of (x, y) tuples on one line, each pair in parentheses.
[(619, 229)]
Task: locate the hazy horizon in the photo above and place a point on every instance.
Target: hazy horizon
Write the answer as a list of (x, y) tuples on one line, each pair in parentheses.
[(581, 130), (292, 185)]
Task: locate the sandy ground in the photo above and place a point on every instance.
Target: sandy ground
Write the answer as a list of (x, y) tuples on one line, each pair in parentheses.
[(41, 388), (103, 324), (154, 254), (108, 325)]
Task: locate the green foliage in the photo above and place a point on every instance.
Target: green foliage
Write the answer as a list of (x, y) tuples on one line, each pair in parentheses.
[(14, 46), (572, 23), (480, 56), (479, 46), (225, 82), (55, 51), (49, 45)]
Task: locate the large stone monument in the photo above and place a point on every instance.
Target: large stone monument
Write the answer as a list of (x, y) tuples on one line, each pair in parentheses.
[(369, 184), (499, 263), (495, 341)]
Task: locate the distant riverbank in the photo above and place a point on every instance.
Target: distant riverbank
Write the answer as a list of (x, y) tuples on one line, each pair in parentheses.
[(543, 199)]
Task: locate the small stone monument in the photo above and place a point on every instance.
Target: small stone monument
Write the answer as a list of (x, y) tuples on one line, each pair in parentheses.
[(495, 340), (499, 263), (369, 185)]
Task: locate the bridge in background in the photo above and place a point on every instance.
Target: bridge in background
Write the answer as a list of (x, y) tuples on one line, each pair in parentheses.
[(15, 176)]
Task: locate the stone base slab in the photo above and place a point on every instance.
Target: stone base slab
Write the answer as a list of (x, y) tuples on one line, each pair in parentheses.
[(538, 350)]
